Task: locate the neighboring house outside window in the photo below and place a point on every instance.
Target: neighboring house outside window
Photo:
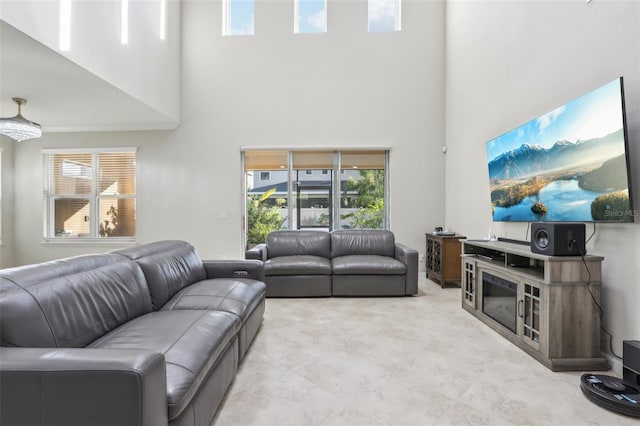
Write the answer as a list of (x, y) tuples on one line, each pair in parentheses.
[(90, 194)]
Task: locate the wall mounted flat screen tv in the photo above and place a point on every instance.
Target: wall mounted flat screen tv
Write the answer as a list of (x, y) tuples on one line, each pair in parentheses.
[(569, 165)]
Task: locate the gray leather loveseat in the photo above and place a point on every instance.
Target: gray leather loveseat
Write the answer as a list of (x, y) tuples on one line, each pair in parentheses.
[(149, 335), (337, 263)]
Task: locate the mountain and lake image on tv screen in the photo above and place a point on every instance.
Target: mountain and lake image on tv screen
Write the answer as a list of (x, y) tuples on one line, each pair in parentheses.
[(569, 165)]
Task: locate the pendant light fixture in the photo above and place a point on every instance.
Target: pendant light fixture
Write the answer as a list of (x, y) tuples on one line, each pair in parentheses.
[(18, 127)]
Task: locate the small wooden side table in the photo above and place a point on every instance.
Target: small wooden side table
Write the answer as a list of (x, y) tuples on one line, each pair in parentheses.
[(442, 258)]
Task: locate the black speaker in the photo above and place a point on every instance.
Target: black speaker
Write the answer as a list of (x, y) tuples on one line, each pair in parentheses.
[(558, 239), (631, 361)]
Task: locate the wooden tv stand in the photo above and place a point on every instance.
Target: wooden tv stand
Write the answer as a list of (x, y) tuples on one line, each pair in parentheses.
[(556, 319)]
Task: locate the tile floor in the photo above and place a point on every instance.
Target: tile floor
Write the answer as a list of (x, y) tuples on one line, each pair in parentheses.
[(396, 361)]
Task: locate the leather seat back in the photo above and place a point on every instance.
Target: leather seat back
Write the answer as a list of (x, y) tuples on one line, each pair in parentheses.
[(169, 266), (296, 243), (69, 302), (362, 242)]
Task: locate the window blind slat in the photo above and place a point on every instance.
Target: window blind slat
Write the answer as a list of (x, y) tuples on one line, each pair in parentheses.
[(117, 173), (362, 159), (72, 174), (303, 160), (266, 160), (90, 194)]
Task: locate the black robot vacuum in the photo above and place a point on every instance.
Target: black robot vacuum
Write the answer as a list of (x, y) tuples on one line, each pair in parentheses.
[(612, 393)]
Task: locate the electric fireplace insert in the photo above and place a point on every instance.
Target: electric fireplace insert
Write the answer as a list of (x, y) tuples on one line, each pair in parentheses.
[(499, 300)]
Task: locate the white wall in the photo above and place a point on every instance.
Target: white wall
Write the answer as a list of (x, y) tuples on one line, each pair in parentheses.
[(509, 62), (7, 193), (343, 88), (146, 68)]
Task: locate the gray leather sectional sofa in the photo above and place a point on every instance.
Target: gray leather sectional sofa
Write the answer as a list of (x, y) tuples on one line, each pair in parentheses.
[(149, 335), (338, 263)]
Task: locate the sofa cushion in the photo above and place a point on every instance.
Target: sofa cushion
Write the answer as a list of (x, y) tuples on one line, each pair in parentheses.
[(297, 265), (238, 296), (367, 265), (168, 266), (377, 242), (190, 340), (69, 302), (292, 243)]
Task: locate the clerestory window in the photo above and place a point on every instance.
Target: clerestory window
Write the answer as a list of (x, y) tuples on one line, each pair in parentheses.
[(384, 15), (310, 16), (238, 17)]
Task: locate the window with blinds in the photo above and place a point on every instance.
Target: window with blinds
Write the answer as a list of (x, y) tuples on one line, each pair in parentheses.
[(90, 194), (314, 189)]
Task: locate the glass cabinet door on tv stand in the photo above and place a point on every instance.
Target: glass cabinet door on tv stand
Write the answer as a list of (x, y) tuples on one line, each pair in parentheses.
[(469, 283), (531, 314)]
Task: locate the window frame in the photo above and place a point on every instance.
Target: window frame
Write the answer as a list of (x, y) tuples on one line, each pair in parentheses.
[(397, 18), (262, 159), (297, 18), (94, 196), (227, 13)]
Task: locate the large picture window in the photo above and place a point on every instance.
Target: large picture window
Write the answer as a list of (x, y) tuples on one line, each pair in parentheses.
[(90, 194), (314, 189)]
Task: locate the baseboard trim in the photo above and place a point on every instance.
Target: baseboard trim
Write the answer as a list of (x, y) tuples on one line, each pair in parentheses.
[(615, 363)]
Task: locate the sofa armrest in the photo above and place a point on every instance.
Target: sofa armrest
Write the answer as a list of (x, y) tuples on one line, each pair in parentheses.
[(253, 269), (79, 387), (258, 252), (409, 257)]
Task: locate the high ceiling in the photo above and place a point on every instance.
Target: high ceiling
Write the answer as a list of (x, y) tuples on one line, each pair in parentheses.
[(61, 95)]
